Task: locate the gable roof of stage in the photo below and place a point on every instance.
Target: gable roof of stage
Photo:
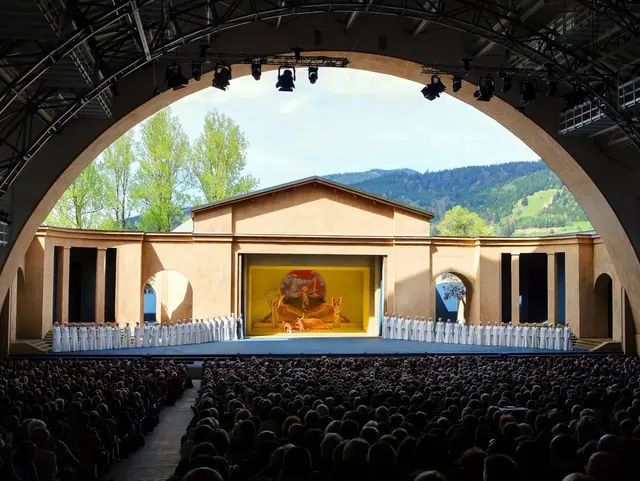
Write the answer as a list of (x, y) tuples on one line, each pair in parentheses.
[(311, 181)]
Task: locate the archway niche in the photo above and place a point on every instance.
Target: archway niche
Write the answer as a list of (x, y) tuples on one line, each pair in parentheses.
[(168, 297), (453, 296), (603, 307), (602, 186)]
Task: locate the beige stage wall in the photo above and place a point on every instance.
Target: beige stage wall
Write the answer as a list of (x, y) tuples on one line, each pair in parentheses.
[(309, 217)]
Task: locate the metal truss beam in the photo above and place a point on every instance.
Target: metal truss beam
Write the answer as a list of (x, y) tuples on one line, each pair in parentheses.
[(623, 13), (192, 23), (278, 60)]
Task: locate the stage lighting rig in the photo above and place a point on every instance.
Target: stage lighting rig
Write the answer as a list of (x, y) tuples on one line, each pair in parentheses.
[(486, 87), (221, 77), (256, 70), (286, 79), (174, 77), (434, 89), (528, 91), (456, 83), (313, 75)]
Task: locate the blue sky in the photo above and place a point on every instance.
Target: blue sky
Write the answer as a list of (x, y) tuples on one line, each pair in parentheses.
[(351, 120)]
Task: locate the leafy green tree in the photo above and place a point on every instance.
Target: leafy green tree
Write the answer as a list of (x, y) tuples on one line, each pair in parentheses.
[(218, 159), (161, 180), (453, 287), (461, 222), (525, 201), (116, 173), (80, 207)]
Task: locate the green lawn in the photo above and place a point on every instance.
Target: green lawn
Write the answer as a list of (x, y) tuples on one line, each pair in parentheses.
[(569, 228), (536, 202)]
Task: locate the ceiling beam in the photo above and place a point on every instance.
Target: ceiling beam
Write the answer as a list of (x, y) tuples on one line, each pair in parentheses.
[(141, 32)]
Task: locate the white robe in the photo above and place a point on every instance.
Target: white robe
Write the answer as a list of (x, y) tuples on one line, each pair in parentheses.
[(164, 341), (57, 340), (557, 339), (480, 336), (73, 337), (456, 333), (127, 337), (406, 328), (117, 337), (136, 336), (471, 338), (488, 335), (549, 337), (84, 339), (109, 337), (155, 336), (65, 343), (462, 336), (501, 336), (517, 331), (422, 331), (542, 333), (240, 327), (439, 331), (101, 343), (568, 343), (385, 321), (508, 338), (448, 329), (92, 338), (392, 327), (430, 333)]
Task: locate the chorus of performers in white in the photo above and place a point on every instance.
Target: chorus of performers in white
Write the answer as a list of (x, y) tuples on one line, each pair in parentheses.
[(539, 336), (105, 336)]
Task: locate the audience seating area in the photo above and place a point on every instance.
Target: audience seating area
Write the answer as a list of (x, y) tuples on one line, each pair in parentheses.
[(428, 419), (72, 420)]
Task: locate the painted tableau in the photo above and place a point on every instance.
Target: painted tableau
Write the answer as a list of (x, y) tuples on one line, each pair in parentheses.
[(307, 300)]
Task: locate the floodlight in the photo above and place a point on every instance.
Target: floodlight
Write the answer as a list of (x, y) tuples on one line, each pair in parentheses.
[(486, 87), (456, 83), (196, 71), (313, 74), (434, 89), (174, 78), (528, 90), (286, 80), (256, 70), (221, 77)]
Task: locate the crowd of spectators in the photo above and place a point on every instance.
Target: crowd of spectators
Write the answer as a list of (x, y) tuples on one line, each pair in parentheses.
[(71, 420), (423, 419)]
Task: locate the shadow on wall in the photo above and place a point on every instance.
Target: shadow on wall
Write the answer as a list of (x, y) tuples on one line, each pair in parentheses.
[(168, 297)]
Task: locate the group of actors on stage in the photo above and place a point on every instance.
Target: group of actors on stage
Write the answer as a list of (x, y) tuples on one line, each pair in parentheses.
[(105, 336), (540, 336)]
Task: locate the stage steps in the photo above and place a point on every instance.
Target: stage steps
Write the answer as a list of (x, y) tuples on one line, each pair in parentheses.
[(29, 346), (597, 344)]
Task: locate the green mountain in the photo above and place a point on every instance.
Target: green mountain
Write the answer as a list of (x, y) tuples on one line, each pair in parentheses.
[(496, 192)]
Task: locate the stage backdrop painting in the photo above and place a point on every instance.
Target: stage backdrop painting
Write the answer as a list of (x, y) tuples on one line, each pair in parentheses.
[(304, 300)]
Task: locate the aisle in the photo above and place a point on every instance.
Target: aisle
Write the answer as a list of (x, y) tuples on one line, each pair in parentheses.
[(159, 458)]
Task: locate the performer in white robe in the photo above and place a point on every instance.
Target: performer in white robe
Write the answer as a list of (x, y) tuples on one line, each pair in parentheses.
[(456, 333), (549, 337), (430, 335), (100, 342), (480, 336), (464, 333), (400, 328), (240, 326), (109, 334), (393, 322), (65, 343), (517, 335), (136, 335), (495, 335), (406, 328), (422, 330), (84, 339), (448, 331), (117, 338), (488, 335), (501, 335), (127, 336), (73, 338), (383, 327), (526, 336), (155, 340), (413, 324), (557, 339), (57, 338), (164, 338), (234, 327), (92, 341), (542, 334), (568, 342), (508, 336), (439, 330), (471, 338), (144, 334)]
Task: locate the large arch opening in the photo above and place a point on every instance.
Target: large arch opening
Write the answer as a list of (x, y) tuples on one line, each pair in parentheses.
[(168, 297), (603, 313), (453, 296), (82, 142)]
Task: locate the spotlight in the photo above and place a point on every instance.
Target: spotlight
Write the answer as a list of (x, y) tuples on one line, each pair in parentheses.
[(434, 89), (553, 88), (456, 83), (286, 80), (506, 84), (256, 70), (528, 91), (156, 92), (196, 71), (313, 74), (221, 78), (174, 78), (486, 87)]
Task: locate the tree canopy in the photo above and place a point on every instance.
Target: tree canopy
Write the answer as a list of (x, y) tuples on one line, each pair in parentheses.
[(461, 222)]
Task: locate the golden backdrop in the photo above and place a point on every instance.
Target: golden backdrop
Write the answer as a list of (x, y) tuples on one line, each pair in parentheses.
[(325, 297)]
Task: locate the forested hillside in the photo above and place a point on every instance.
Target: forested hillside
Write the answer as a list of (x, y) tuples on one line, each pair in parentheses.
[(495, 192)]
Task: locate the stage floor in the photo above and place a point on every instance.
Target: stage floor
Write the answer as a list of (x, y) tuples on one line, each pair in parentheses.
[(295, 346)]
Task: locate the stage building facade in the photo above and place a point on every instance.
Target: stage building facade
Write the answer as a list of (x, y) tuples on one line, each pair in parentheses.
[(315, 250)]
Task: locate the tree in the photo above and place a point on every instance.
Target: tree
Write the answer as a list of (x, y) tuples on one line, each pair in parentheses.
[(161, 178), (525, 201), (219, 158), (116, 172), (80, 207), (453, 287), (460, 222)]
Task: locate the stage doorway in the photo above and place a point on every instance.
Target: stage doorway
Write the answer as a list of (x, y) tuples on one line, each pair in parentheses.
[(311, 295)]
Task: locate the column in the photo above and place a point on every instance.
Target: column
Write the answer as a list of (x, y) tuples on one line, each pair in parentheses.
[(515, 288), (101, 263), (552, 285), (64, 285)]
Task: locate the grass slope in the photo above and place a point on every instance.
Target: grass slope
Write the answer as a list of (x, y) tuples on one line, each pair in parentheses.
[(536, 202)]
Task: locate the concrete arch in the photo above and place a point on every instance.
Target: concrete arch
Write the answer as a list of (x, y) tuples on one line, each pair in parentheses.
[(603, 306), (468, 286), (174, 295), (602, 184)]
